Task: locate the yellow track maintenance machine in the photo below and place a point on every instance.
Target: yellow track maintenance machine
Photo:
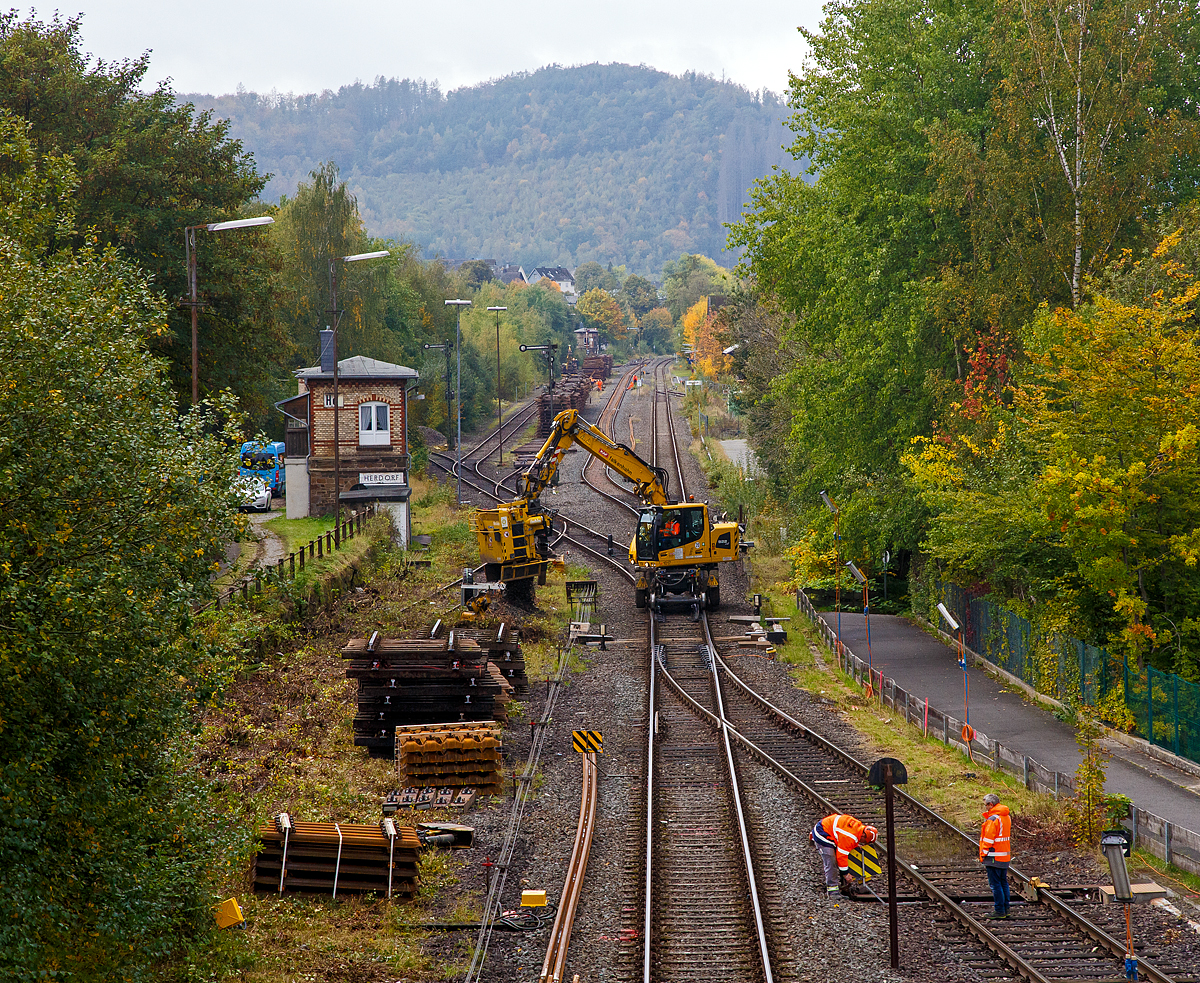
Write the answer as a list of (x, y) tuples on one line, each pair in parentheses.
[(676, 548)]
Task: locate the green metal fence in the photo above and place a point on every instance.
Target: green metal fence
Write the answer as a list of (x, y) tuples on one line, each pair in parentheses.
[(1165, 707)]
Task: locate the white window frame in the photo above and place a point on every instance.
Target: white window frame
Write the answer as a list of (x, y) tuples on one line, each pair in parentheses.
[(374, 437)]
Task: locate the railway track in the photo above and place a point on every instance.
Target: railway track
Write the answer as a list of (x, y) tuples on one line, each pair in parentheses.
[(706, 913), (1048, 939)]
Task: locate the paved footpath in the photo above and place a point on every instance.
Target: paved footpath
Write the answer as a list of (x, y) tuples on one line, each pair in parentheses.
[(927, 667)]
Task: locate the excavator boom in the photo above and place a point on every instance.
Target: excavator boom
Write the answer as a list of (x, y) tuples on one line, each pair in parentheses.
[(650, 483), (676, 548)]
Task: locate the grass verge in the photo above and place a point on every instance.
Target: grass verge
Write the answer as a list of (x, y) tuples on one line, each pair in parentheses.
[(279, 738), (939, 776)]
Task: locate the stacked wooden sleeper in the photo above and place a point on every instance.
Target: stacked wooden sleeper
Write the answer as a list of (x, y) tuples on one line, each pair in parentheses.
[(421, 681)]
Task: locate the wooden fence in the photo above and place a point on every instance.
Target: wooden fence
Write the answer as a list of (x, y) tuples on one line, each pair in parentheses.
[(1171, 842), (327, 543)]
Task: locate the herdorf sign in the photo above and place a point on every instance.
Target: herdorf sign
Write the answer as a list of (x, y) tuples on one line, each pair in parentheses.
[(381, 478)]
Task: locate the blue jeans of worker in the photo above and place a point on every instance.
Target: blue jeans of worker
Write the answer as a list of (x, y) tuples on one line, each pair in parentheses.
[(998, 881)]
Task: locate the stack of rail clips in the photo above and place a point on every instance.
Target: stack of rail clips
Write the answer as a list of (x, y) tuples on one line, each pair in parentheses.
[(422, 681), (450, 756), (337, 858)]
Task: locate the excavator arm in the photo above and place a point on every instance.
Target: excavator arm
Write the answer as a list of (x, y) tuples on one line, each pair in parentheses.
[(650, 483)]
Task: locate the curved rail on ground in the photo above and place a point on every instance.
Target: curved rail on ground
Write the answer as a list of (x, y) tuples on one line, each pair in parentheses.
[(564, 919)]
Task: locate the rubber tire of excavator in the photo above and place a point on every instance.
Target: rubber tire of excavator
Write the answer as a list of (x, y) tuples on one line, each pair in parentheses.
[(712, 598), (640, 597)]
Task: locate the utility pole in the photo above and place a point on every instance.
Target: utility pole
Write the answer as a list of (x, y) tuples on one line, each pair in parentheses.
[(335, 316)]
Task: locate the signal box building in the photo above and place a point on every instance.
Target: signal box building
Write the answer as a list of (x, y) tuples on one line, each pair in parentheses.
[(372, 437)]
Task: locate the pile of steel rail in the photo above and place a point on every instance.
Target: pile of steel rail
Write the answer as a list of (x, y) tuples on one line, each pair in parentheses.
[(336, 858), (423, 681), (466, 755)]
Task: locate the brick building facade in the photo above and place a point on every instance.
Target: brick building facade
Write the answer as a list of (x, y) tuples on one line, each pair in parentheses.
[(372, 434)]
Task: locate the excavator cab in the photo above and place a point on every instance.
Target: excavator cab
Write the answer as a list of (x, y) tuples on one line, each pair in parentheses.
[(673, 532)]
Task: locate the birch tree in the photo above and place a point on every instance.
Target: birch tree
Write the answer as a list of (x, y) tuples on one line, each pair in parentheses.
[(1089, 126)]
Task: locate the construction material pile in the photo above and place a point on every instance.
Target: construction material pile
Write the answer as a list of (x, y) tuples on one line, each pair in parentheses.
[(571, 393), (336, 858), (598, 366), (502, 646), (428, 681), (446, 756)]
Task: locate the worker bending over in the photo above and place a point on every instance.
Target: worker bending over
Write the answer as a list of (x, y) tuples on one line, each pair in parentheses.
[(835, 837)]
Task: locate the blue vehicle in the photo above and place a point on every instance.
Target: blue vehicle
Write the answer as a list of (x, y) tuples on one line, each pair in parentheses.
[(265, 461)]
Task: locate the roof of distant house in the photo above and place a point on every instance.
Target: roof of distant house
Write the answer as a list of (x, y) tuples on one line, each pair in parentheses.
[(360, 367), (510, 274), (559, 273)]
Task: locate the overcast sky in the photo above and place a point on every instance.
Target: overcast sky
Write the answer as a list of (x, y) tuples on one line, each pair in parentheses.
[(305, 46)]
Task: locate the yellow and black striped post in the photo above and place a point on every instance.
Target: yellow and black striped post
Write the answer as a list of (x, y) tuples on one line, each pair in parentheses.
[(588, 740)]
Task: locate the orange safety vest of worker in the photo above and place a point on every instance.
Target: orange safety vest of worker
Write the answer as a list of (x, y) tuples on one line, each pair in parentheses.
[(995, 845), (671, 528), (845, 831)]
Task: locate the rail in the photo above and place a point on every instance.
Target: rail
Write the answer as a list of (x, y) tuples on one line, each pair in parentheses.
[(564, 919), (1114, 946)]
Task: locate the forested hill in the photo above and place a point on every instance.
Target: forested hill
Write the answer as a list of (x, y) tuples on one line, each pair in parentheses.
[(613, 163)]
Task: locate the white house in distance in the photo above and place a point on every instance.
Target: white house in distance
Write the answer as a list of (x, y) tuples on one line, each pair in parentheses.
[(372, 437), (559, 275)]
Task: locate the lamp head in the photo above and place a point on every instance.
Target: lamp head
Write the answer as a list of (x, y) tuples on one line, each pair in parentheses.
[(948, 616), (240, 223), (858, 574), (378, 254), (829, 503)]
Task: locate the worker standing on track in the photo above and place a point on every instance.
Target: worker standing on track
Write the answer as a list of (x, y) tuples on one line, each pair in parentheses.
[(995, 850), (835, 837)]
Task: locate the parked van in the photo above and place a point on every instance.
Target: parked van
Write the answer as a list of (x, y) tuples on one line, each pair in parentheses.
[(265, 461)]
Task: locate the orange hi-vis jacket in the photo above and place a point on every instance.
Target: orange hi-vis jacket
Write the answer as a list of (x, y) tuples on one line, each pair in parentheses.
[(841, 832), (995, 846)]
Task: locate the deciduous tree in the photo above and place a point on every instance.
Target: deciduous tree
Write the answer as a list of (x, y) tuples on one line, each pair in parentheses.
[(115, 511)]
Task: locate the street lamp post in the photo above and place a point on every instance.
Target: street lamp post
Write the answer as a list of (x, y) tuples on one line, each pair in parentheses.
[(499, 407), (335, 316), (460, 304), (968, 732), (861, 578), (189, 249), (449, 394)]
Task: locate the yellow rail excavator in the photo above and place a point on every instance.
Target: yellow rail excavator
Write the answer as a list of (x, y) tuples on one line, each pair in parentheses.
[(676, 548)]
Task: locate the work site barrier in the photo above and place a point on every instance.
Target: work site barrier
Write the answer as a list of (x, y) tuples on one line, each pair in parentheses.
[(1166, 708), (1171, 842)]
